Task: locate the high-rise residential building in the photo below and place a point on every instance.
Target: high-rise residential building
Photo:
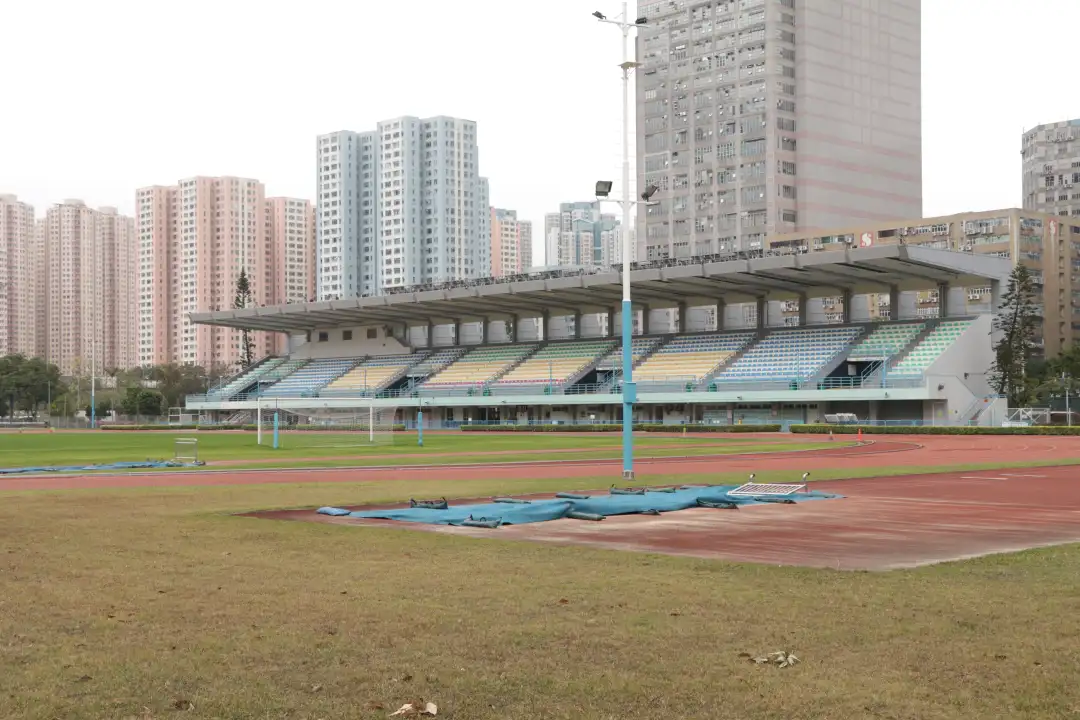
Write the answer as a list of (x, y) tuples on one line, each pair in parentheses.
[(760, 118), (347, 214), (291, 228), (1051, 168), (87, 288), (525, 228), (21, 264), (483, 201), (511, 243), (195, 239), (581, 235), (402, 205)]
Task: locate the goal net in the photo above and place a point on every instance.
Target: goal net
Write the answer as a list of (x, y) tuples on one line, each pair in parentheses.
[(1026, 417), (363, 425)]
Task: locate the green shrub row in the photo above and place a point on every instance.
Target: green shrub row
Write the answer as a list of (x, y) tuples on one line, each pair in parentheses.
[(212, 428), (933, 430), (611, 428), (167, 428)]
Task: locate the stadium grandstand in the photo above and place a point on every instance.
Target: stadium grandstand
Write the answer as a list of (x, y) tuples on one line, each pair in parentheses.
[(710, 345)]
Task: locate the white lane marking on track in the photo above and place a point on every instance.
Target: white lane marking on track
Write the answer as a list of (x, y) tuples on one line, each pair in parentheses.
[(973, 477), (1031, 476)]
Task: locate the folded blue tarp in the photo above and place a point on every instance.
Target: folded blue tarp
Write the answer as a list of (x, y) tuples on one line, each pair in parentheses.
[(145, 464), (544, 510)]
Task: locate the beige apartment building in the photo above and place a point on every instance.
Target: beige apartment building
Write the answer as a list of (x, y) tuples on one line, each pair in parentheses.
[(511, 243), (21, 258), (1048, 245), (86, 288), (194, 240), (290, 227)]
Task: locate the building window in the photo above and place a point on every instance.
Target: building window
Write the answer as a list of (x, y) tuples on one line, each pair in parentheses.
[(372, 333), (324, 336), (346, 335)]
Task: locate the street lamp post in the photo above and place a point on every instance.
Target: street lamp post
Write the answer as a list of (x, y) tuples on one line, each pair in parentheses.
[(603, 189), (93, 343)]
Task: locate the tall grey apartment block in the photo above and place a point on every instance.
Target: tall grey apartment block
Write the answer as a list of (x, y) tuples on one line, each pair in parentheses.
[(760, 117), (1051, 168)]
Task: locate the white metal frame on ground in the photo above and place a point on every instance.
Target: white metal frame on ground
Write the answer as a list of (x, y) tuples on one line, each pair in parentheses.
[(751, 489), (186, 450)]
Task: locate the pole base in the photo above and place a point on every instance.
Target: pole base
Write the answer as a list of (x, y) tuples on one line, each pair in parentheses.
[(627, 474)]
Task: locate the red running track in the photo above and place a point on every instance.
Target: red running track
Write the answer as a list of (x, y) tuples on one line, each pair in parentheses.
[(896, 451)]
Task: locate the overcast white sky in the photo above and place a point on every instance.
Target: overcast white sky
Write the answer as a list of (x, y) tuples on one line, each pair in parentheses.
[(101, 97)]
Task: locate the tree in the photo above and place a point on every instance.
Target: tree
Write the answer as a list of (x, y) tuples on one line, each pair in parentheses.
[(175, 382), (140, 401), (25, 384), (244, 299), (1017, 321)]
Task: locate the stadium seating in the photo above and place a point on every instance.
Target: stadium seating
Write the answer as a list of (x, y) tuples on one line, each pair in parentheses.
[(886, 341), (479, 366), (435, 362), (282, 370), (244, 379), (639, 348), (690, 358), (556, 363), (372, 374), (746, 356), (305, 380), (930, 349), (790, 354)]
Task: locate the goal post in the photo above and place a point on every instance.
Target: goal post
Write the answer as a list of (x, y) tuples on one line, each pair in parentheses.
[(1026, 417), (367, 423)]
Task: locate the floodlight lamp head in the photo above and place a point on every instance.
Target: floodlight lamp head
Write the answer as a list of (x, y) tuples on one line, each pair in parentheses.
[(599, 15), (641, 21), (649, 192), (603, 188)]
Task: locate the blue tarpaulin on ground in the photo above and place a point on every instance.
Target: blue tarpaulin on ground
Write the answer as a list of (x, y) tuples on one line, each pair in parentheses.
[(135, 465), (543, 510)]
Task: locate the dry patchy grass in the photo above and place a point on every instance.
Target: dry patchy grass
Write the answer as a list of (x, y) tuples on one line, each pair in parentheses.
[(136, 603)]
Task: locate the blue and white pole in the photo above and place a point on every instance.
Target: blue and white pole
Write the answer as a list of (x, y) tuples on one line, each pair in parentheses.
[(628, 387), (420, 425), (629, 390)]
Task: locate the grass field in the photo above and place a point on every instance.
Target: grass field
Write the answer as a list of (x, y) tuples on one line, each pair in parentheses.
[(134, 604), (332, 449)]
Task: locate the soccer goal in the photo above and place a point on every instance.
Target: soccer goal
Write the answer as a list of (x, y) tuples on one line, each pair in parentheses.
[(1026, 417), (366, 424)]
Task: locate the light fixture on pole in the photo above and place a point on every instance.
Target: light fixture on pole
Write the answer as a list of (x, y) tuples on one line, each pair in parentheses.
[(603, 190)]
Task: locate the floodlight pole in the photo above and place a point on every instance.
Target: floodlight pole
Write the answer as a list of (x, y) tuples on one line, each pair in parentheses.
[(629, 390)]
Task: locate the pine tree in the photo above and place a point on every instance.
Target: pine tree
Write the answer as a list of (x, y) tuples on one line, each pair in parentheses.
[(241, 300), (1017, 321)]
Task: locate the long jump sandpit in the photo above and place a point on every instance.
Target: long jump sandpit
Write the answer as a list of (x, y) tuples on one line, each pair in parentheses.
[(879, 524)]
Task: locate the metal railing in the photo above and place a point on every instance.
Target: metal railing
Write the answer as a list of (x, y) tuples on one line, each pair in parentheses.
[(650, 386)]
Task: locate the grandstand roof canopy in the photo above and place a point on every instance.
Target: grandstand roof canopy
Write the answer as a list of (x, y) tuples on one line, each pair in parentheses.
[(859, 270)]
